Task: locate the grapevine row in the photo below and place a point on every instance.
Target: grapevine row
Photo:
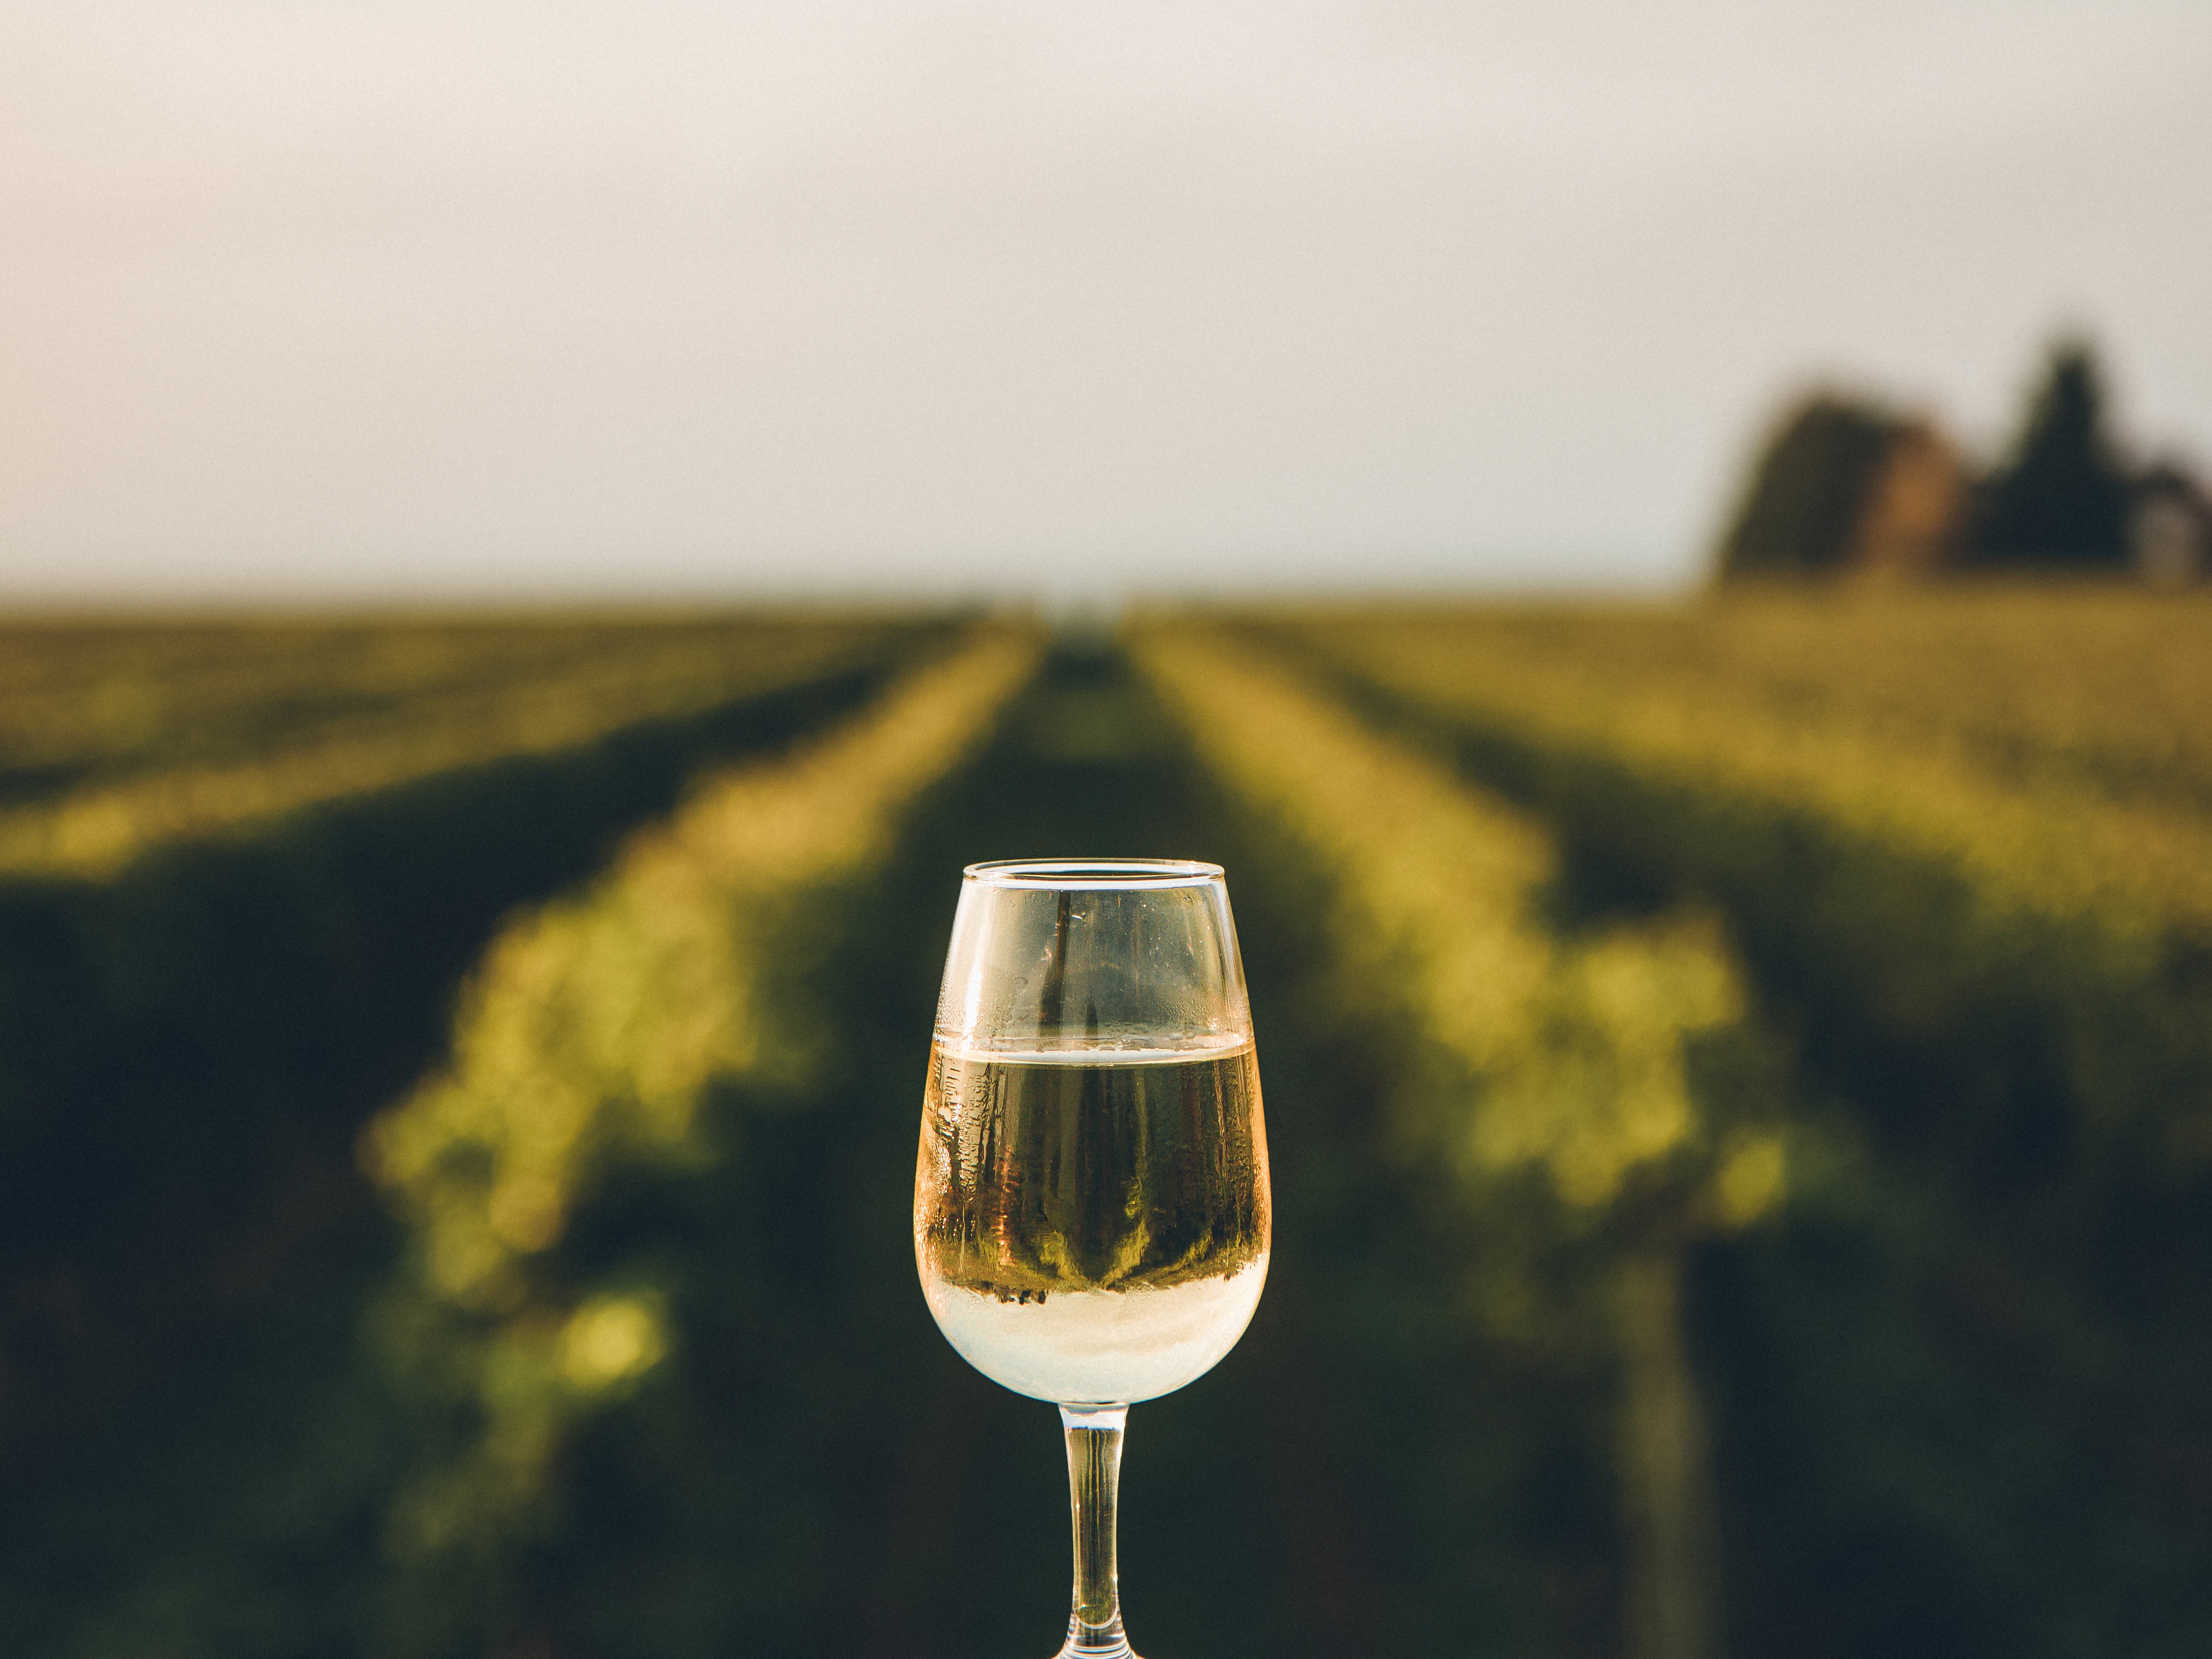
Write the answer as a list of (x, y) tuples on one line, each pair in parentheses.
[(211, 744), (589, 1041), (1949, 899), (1568, 1057)]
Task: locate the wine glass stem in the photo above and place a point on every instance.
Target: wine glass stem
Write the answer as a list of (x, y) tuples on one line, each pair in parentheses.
[(1094, 1485)]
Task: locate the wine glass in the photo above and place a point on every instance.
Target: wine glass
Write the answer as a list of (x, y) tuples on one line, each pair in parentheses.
[(1090, 1204)]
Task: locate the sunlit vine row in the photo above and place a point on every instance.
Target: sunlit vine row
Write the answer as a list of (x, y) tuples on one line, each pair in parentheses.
[(1574, 1046), (2051, 886), (587, 1041), (1912, 767), (410, 708)]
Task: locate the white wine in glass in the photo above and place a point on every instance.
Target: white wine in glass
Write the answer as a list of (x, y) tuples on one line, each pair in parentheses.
[(1091, 1207)]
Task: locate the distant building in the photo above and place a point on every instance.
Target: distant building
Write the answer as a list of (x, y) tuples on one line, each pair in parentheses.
[(1842, 488), (1909, 518), (2169, 528), (1846, 488)]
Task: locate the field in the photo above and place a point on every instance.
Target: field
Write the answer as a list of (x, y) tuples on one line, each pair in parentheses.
[(1740, 1077)]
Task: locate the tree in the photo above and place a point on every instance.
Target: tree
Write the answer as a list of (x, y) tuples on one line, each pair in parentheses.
[(2061, 499)]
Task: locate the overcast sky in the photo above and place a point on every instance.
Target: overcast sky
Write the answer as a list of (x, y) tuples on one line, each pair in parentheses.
[(568, 297)]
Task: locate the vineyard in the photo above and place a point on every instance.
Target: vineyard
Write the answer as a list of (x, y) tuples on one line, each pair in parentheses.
[(1740, 1078)]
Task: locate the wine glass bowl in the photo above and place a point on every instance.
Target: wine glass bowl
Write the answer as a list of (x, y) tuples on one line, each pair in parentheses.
[(1091, 1210)]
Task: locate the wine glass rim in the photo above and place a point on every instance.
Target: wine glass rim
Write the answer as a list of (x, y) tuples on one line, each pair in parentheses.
[(1094, 872)]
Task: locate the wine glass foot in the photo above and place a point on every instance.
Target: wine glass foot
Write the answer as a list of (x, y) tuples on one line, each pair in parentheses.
[(1096, 1642)]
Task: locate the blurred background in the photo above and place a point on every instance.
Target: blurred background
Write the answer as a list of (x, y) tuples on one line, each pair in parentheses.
[(1664, 547)]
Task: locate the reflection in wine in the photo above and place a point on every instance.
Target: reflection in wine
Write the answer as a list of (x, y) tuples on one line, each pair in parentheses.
[(1092, 1224)]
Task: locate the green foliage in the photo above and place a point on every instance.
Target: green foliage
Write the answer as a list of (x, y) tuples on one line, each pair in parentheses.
[(1989, 933), (2060, 498), (1587, 1060), (114, 743), (588, 1050), (1574, 1049), (1933, 873), (633, 1363), (193, 1043)]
